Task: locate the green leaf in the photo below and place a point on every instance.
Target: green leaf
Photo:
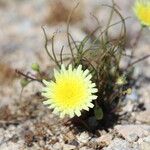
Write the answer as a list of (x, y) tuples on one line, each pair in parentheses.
[(24, 82), (98, 113)]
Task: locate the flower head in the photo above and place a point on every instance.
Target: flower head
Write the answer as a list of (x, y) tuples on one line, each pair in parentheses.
[(71, 92), (142, 11)]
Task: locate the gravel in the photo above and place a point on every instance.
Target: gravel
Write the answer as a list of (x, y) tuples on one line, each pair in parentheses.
[(25, 124)]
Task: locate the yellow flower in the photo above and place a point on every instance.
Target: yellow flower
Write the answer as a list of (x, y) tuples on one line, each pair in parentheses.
[(142, 11), (71, 92)]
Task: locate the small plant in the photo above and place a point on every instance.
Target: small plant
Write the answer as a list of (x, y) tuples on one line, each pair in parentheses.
[(90, 83)]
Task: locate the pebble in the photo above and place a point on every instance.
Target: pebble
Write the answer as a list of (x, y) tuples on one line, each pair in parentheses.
[(1, 135), (68, 147), (106, 138), (143, 116), (128, 107), (132, 137), (69, 136), (85, 148), (74, 142), (83, 137), (133, 132), (12, 146), (120, 144), (145, 143), (57, 146)]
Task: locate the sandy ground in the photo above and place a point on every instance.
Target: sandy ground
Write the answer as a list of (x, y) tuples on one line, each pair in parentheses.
[(25, 124)]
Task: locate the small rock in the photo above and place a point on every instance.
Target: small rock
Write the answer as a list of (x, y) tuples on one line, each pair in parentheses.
[(144, 143), (132, 137), (68, 147), (74, 142), (69, 136), (143, 116), (128, 107), (83, 137), (132, 132), (2, 132), (85, 148), (119, 144), (107, 138), (57, 146)]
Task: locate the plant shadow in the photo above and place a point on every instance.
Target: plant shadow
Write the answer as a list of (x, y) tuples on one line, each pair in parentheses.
[(88, 122)]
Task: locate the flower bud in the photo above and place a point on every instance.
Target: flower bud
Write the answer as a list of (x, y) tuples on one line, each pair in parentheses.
[(121, 80), (35, 67)]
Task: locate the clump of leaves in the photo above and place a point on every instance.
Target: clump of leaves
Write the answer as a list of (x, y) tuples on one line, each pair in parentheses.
[(102, 56)]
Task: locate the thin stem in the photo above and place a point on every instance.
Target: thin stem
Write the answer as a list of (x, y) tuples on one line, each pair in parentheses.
[(135, 43), (61, 53), (138, 37), (122, 20), (110, 18), (104, 32), (137, 61), (55, 59), (28, 77), (73, 41), (46, 45), (20, 96), (68, 37)]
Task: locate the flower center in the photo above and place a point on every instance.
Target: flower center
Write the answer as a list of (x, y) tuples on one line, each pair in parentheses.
[(143, 12), (70, 92)]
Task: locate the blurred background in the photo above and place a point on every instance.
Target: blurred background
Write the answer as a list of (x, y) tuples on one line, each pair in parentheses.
[(21, 36)]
